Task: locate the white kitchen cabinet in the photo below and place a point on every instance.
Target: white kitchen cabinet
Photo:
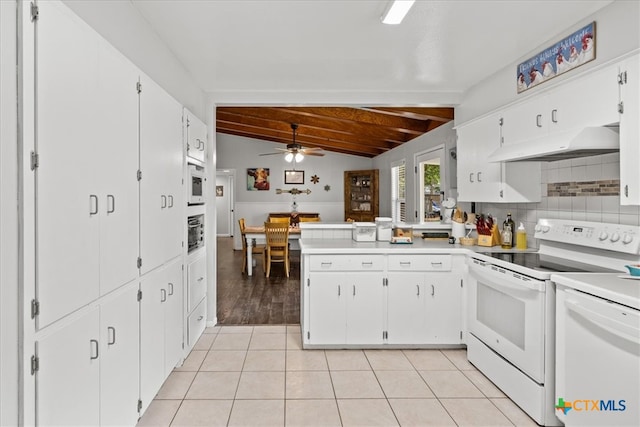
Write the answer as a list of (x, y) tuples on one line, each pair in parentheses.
[(196, 136), (197, 281), (161, 162), (196, 323), (480, 180), (443, 308), (630, 131), (161, 325), (86, 187), (406, 308)]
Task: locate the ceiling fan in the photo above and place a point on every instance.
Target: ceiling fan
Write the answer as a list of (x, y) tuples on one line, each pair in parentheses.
[(295, 151)]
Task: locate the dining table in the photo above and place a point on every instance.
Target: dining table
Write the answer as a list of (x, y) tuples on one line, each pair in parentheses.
[(257, 232)]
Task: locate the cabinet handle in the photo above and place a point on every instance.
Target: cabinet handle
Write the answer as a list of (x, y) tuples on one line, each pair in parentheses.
[(405, 263), (367, 263), (435, 264), (113, 203), (94, 346), (626, 190), (554, 116), (338, 290), (200, 145), (93, 204), (201, 279), (418, 288), (163, 295), (433, 290), (200, 318), (478, 176), (112, 335), (354, 290), (471, 177), (539, 120), (170, 201), (163, 201), (170, 289)]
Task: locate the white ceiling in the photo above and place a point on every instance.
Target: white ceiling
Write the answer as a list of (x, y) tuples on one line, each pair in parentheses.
[(336, 45)]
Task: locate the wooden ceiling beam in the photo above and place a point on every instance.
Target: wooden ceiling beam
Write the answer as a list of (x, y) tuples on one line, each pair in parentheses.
[(440, 114)]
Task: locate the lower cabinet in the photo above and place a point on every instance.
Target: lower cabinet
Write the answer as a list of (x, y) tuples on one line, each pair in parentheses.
[(161, 334), (88, 365)]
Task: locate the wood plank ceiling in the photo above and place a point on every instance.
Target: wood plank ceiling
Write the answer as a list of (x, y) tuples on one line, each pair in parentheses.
[(365, 132)]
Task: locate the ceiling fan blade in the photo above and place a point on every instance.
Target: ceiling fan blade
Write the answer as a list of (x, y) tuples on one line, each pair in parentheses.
[(270, 154), (312, 149), (314, 153)]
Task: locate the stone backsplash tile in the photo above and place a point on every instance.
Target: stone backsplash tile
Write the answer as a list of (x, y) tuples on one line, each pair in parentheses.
[(606, 187)]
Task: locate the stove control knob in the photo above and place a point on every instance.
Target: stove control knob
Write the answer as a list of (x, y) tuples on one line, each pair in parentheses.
[(615, 237), (603, 236), (545, 228), (627, 238), (538, 228)]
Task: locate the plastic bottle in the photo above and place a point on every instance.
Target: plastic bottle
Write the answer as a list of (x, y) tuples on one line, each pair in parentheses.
[(512, 226), (521, 237)]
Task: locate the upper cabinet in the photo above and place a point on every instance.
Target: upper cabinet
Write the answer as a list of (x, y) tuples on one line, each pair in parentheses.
[(196, 137), (361, 195), (629, 131), (480, 180)]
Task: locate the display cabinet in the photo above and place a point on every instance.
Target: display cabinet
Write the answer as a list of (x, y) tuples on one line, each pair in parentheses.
[(361, 195)]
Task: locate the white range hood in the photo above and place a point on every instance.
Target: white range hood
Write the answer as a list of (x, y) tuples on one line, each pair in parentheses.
[(583, 142)]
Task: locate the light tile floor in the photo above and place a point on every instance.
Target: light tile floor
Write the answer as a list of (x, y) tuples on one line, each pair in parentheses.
[(260, 376)]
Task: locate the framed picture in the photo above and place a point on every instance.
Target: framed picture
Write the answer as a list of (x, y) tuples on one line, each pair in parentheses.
[(293, 177), (258, 179), (219, 191), (574, 50)]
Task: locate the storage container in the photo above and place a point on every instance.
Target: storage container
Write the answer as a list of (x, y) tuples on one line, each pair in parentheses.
[(402, 234), (383, 225), (364, 232)]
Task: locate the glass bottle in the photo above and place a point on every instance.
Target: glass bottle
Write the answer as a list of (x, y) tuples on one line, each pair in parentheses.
[(512, 228), (507, 235)]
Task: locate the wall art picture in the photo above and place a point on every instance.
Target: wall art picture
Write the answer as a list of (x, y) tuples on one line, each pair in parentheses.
[(293, 177), (257, 179), (564, 55), (219, 191)]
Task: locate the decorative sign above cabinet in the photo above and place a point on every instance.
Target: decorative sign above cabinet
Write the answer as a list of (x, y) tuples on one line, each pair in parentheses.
[(562, 56)]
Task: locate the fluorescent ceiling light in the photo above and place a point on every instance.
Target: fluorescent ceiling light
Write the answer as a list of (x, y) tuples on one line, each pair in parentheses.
[(396, 12)]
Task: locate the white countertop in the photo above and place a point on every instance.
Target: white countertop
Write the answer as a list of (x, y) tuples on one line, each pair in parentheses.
[(419, 246), (348, 225), (609, 286)]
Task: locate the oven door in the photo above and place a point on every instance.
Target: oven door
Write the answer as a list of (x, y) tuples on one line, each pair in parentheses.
[(196, 190), (507, 312)]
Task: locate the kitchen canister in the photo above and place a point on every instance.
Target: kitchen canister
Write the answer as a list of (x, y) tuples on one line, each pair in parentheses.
[(458, 229), (383, 226)]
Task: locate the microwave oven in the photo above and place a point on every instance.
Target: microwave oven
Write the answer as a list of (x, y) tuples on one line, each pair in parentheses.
[(195, 236), (195, 182)]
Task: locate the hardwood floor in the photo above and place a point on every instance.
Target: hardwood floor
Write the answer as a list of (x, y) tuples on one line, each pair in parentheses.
[(256, 300)]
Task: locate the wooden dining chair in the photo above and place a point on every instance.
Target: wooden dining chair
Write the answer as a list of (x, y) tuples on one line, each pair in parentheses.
[(255, 249), (280, 219), (277, 234)]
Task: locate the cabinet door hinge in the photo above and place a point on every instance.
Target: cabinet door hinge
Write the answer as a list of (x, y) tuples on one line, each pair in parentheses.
[(460, 334), (139, 405), (35, 12), (501, 121), (622, 78), (139, 262), (415, 169), (35, 308), (621, 107), (139, 175), (385, 335), (385, 281), (35, 364), (501, 194), (139, 295), (35, 160), (139, 87)]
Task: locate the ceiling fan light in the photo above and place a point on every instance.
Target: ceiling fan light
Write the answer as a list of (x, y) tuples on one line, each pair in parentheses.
[(299, 157), (288, 157), (396, 11)]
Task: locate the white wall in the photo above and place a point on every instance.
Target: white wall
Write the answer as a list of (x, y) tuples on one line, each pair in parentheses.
[(617, 32), (240, 153), (9, 220)]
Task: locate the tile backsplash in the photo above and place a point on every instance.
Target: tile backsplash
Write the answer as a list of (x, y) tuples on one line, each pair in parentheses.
[(583, 189)]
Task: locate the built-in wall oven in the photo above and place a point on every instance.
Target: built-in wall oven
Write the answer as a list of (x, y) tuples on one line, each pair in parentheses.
[(512, 306), (195, 237), (196, 181)]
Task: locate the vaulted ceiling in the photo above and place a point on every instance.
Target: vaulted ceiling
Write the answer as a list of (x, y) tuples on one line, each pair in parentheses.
[(365, 132)]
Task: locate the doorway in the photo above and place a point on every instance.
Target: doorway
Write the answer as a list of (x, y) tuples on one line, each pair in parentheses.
[(225, 200), (430, 183)]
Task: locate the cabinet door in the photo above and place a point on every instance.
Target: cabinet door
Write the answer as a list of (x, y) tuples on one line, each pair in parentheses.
[(116, 137), (406, 308), (327, 308), (630, 132), (478, 179), (197, 279), (365, 309), (173, 316), (527, 120), (152, 364), (119, 359), (196, 137), (444, 308), (161, 221), (68, 381), (67, 203)]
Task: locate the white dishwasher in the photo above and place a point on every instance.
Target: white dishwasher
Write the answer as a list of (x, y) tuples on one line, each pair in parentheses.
[(597, 349)]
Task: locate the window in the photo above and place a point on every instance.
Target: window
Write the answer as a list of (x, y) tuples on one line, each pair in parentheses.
[(398, 192), (430, 184)]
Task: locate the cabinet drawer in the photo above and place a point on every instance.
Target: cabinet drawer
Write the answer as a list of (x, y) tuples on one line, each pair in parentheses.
[(420, 262), (196, 322), (346, 263), (197, 279)]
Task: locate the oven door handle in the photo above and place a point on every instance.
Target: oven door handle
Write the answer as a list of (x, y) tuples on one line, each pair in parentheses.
[(626, 332), (501, 280)]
